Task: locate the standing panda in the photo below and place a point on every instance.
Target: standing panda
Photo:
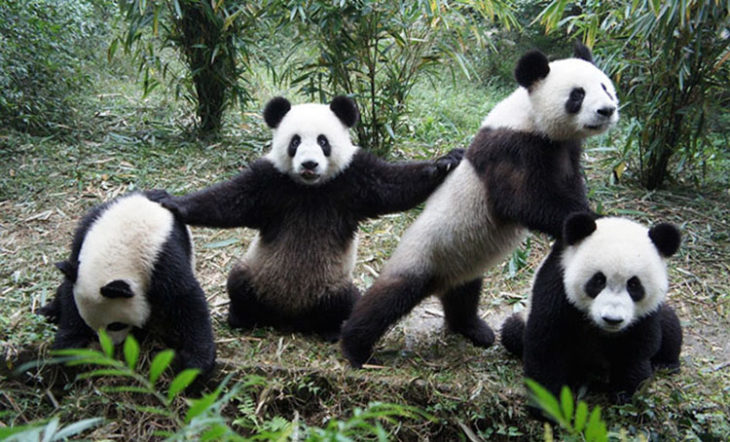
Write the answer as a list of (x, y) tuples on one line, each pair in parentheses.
[(598, 307), (306, 198), (521, 171), (132, 267)]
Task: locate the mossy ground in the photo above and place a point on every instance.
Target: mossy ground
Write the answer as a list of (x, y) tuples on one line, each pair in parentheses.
[(124, 142)]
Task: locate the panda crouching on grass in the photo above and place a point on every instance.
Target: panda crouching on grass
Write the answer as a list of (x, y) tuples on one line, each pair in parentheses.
[(521, 171), (131, 267), (598, 308), (306, 198)]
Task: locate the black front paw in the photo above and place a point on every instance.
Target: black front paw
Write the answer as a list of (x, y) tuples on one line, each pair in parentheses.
[(448, 162), (166, 200)]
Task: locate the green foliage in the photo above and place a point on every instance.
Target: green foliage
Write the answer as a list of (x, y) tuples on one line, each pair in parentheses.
[(45, 46), (375, 52), (50, 431), (575, 420), (214, 40), (671, 61)]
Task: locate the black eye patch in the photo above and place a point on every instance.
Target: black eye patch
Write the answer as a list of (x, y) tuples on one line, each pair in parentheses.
[(296, 140), (635, 289), (325, 145), (595, 285), (116, 326), (575, 100)]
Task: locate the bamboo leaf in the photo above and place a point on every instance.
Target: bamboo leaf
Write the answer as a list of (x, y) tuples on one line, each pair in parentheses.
[(77, 427), (581, 415), (566, 403), (131, 352), (107, 346), (182, 381), (159, 364)]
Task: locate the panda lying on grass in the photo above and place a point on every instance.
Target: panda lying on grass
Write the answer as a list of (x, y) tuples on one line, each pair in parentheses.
[(306, 198), (132, 267), (521, 171), (598, 308)]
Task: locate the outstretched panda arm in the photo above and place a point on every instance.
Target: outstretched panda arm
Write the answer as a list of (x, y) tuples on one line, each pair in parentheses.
[(530, 180), (230, 203), (381, 187)]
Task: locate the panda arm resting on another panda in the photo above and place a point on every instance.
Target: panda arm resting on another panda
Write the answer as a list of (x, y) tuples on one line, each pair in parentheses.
[(394, 187)]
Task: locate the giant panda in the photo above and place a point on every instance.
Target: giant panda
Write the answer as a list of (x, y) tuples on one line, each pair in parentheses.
[(598, 308), (306, 197), (131, 267), (521, 171)]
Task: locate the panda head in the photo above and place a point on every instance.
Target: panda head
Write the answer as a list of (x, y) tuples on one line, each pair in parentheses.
[(614, 268), (311, 142), (570, 98)]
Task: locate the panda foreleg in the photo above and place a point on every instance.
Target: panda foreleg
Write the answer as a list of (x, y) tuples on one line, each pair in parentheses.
[(389, 298), (626, 376), (461, 310), (667, 358), (245, 310), (513, 334), (72, 330)]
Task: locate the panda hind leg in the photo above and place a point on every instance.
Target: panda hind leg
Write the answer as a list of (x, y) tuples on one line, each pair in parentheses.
[(245, 310), (461, 309), (326, 318), (513, 334), (667, 358)]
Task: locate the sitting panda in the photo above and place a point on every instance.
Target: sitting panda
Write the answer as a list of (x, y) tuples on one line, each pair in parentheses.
[(521, 171), (598, 307), (132, 267), (306, 198)]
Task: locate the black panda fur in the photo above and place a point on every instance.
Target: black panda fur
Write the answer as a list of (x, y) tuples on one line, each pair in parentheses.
[(521, 171), (176, 305), (562, 344), (297, 273)]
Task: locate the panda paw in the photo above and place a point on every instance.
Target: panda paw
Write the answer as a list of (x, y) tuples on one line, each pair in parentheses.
[(448, 162), (163, 198)]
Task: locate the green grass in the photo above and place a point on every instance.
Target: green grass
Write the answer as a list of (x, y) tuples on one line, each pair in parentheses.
[(124, 142)]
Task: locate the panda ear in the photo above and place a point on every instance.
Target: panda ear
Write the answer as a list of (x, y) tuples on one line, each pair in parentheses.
[(531, 67), (581, 51), (275, 110), (577, 227), (68, 269), (666, 238), (345, 109), (117, 289)]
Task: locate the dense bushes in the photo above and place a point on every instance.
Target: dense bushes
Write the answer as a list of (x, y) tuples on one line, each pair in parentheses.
[(45, 47)]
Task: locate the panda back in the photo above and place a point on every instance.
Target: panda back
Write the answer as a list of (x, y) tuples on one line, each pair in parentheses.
[(123, 243)]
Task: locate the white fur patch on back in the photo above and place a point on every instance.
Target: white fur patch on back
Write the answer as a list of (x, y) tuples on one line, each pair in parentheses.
[(122, 244), (455, 238), (310, 120), (620, 249)]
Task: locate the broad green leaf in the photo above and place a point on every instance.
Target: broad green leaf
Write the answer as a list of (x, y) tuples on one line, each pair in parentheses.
[(546, 401), (131, 352), (159, 364), (181, 381), (106, 372), (107, 346), (200, 405), (566, 403), (596, 429), (50, 429), (581, 415)]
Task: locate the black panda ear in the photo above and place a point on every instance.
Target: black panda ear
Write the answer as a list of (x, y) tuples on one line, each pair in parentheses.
[(666, 238), (345, 109), (275, 110), (581, 51), (68, 269), (117, 289), (531, 67), (577, 227)]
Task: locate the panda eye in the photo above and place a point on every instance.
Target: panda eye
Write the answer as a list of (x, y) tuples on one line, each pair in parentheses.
[(575, 101), (324, 144), (635, 289), (296, 140), (595, 285)]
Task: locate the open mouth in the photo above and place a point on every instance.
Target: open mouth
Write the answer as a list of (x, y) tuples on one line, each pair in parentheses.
[(309, 175)]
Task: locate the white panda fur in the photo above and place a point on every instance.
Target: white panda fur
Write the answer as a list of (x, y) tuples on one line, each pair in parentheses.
[(525, 164)]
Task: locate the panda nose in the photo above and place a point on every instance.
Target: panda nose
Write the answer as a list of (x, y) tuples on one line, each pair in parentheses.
[(310, 165), (612, 320), (606, 111)]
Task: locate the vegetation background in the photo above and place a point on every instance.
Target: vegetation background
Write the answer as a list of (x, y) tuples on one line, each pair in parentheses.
[(102, 97)]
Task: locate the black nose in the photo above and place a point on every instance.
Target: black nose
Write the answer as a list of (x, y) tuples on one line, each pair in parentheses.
[(612, 320), (606, 111), (310, 165)]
